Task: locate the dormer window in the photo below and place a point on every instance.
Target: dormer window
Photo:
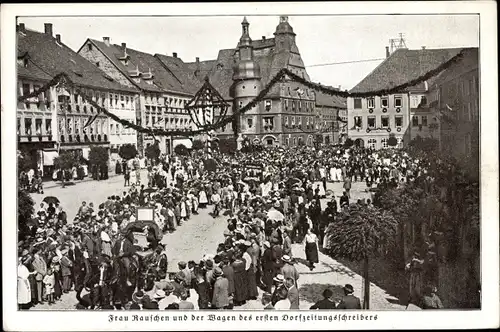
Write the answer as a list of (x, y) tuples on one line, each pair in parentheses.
[(89, 47), (25, 62)]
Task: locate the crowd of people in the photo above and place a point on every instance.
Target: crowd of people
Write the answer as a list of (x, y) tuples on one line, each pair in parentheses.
[(269, 204)]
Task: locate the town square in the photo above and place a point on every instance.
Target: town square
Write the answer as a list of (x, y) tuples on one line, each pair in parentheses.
[(249, 180)]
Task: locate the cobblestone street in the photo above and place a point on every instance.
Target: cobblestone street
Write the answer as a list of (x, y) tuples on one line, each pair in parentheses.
[(201, 234)]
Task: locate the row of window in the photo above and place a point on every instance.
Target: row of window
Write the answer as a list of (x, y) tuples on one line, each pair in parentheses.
[(469, 111), (384, 102), (297, 141), (75, 126), (38, 129), (308, 121), (372, 122), (298, 106), (372, 142), (119, 129), (165, 109), (168, 121)]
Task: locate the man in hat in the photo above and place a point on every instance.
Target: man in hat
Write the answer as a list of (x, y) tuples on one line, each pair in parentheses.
[(170, 297), (183, 268), (279, 283), (137, 298), (268, 270), (40, 267), (288, 270), (349, 301), (326, 302), (184, 304), (159, 261), (66, 271), (220, 299)]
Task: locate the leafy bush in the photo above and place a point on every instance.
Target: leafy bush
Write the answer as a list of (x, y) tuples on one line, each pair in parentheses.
[(127, 151), (198, 144), (181, 150), (392, 141), (98, 155), (153, 151), (348, 143), (25, 207), (25, 162), (66, 160)]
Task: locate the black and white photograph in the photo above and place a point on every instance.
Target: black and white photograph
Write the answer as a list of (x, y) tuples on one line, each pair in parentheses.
[(220, 162)]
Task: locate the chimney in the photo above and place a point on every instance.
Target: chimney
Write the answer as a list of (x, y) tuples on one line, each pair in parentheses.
[(263, 38), (197, 60), (174, 55), (48, 29), (423, 47), (387, 53), (340, 87), (58, 38), (22, 28), (124, 45), (106, 40)]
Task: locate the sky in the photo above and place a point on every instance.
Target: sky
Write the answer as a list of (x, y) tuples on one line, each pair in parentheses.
[(320, 39)]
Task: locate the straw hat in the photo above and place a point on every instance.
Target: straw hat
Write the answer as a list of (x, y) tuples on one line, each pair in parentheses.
[(279, 278), (159, 294)]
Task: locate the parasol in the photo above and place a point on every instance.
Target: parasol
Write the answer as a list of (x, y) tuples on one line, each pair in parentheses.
[(51, 199)]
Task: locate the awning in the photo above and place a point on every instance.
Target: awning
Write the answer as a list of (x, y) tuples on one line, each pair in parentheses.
[(85, 153), (48, 157), (184, 141)]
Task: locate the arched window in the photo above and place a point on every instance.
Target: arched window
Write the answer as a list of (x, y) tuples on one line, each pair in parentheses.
[(384, 143)]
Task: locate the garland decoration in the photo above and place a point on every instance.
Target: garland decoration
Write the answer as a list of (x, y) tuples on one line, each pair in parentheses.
[(280, 77)]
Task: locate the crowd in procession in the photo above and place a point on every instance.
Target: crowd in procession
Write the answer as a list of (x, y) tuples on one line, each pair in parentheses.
[(269, 206)]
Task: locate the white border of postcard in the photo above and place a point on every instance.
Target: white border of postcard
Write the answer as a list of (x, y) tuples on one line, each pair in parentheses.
[(488, 316)]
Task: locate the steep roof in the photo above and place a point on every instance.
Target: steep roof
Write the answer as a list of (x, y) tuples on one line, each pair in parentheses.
[(323, 99), (54, 58), (181, 71), (113, 52), (221, 74), (404, 65), (204, 67)]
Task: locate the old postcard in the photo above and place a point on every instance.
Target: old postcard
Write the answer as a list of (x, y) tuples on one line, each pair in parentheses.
[(250, 166)]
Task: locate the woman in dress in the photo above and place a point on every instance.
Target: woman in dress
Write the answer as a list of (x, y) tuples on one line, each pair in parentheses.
[(203, 199), (23, 283), (311, 248), (240, 280)]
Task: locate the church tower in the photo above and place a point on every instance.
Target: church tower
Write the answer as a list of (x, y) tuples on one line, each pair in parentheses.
[(247, 83)]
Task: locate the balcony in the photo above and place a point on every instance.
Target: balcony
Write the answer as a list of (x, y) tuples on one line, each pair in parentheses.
[(48, 138)]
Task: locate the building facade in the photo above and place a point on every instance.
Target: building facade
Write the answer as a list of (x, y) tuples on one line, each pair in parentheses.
[(406, 115), (63, 115), (287, 116), (455, 96), (162, 93)]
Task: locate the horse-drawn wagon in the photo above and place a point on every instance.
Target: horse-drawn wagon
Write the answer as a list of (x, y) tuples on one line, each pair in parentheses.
[(146, 232)]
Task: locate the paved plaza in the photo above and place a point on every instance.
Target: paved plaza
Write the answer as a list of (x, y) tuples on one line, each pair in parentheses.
[(201, 234)]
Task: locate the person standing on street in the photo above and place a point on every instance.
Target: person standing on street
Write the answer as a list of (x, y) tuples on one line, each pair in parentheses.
[(347, 186), (349, 301), (126, 176), (326, 302)]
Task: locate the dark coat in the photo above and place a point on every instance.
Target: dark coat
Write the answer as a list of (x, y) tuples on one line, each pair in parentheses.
[(202, 288), (323, 304), (221, 294), (229, 275), (350, 302), (240, 281)]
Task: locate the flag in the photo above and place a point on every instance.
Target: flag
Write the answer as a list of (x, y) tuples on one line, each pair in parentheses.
[(299, 91)]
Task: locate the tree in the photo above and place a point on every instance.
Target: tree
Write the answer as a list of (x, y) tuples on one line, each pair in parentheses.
[(65, 161), (198, 144), (127, 151), (98, 155), (392, 141), (153, 151), (227, 145), (181, 150), (360, 233), (424, 144), (348, 143), (25, 161), (25, 208)]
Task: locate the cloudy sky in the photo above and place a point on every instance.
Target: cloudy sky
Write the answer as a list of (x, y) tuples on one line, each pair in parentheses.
[(321, 39)]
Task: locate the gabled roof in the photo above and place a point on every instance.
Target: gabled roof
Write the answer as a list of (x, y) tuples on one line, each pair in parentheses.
[(202, 69), (404, 65), (114, 53), (54, 58), (323, 99), (221, 75)]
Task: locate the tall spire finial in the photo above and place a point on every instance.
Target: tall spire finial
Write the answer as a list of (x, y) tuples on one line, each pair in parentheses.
[(244, 20)]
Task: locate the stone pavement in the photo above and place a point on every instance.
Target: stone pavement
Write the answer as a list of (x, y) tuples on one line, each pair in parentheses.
[(202, 233)]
